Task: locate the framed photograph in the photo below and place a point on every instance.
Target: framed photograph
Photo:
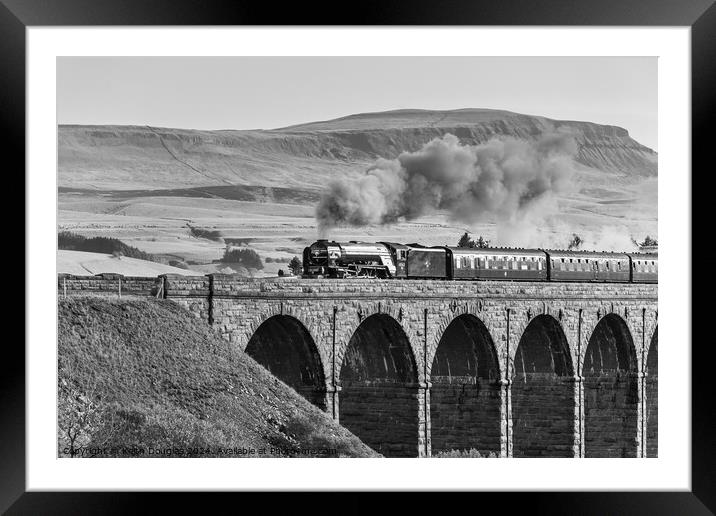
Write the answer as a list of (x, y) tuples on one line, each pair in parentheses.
[(408, 236)]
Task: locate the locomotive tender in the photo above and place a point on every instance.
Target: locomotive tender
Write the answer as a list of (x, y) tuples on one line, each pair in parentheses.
[(414, 261)]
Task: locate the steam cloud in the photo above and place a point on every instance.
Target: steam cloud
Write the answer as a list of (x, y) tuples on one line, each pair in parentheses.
[(607, 238), (511, 182)]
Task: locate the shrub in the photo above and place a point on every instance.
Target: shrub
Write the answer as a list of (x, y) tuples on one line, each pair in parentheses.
[(205, 233), (246, 257)]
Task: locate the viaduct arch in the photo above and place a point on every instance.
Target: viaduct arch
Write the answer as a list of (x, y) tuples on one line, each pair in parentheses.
[(543, 404), (465, 395), (611, 399), (283, 345), (379, 400)]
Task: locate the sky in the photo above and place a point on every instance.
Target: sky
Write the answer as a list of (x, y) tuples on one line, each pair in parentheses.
[(273, 92)]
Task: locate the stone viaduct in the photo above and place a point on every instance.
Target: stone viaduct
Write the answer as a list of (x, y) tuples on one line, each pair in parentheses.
[(420, 368)]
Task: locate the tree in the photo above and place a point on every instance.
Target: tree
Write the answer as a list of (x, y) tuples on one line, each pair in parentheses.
[(466, 241), (576, 242), (649, 242), (481, 243), (295, 266)]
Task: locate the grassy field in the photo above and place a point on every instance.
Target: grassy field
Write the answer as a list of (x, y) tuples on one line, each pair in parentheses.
[(145, 378), (83, 263), (160, 225)]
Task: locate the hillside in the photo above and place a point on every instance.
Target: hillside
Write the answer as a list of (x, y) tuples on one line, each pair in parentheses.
[(305, 156), (144, 374)]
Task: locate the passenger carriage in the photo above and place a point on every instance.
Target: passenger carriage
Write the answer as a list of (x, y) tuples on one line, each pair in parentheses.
[(644, 267), (497, 263), (588, 266)]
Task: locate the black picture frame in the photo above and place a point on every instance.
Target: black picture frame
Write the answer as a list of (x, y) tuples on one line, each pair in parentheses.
[(700, 15)]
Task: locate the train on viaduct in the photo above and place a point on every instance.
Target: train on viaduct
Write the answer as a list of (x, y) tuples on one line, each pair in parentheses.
[(421, 368)]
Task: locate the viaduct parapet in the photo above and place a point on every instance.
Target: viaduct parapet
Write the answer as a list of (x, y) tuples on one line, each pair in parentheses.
[(420, 368)]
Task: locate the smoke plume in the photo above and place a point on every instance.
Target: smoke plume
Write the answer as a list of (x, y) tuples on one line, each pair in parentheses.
[(508, 181)]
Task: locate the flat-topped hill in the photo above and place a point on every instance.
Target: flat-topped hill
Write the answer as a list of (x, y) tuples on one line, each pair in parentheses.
[(306, 156)]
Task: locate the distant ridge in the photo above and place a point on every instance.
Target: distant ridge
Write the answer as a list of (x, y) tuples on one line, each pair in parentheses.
[(306, 156), (439, 118)]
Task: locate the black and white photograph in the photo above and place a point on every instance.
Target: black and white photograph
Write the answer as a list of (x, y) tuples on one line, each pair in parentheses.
[(261, 243), (357, 257)]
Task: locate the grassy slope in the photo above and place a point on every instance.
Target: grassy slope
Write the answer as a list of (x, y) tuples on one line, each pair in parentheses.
[(145, 373)]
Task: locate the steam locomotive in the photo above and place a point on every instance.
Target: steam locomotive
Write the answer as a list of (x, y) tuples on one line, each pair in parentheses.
[(324, 259)]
